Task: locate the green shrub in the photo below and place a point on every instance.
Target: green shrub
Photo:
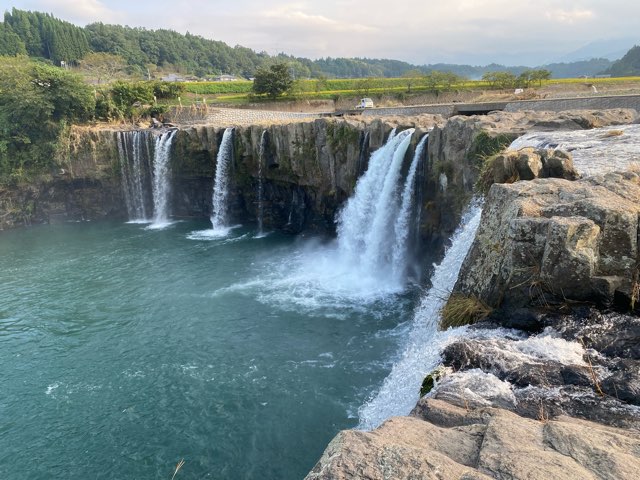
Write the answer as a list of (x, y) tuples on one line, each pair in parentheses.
[(36, 102), (168, 90)]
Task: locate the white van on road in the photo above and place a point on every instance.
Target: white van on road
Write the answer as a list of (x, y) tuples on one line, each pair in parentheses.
[(365, 103)]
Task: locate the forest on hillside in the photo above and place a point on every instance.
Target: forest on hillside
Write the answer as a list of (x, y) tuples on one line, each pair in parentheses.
[(146, 53), (628, 65)]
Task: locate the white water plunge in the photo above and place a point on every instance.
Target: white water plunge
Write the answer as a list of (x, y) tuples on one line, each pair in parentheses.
[(346, 275), (134, 153), (261, 161), (400, 390), (367, 234), (161, 180), (221, 183), (402, 225)]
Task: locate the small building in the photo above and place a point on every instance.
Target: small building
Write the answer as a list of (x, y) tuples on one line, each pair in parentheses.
[(225, 78), (172, 77)]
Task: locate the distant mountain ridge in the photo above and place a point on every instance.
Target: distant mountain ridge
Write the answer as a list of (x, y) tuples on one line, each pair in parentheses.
[(612, 49), (629, 65), (44, 36)]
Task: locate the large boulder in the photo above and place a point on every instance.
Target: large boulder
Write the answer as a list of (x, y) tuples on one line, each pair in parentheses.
[(553, 240), (527, 164)]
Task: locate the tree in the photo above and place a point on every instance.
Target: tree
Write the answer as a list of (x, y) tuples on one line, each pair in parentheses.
[(540, 75), (10, 43), (501, 80), (437, 81), (321, 83), (273, 81), (36, 102), (103, 67), (411, 77)]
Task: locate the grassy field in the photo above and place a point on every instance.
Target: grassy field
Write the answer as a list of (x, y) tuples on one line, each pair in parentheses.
[(401, 89)]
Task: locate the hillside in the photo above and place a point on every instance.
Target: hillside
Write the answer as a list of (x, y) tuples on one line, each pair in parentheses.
[(144, 51), (627, 65)]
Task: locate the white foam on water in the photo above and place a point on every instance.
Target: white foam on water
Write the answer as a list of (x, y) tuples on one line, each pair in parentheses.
[(354, 271), (160, 225), (139, 221), (213, 233), (476, 388)]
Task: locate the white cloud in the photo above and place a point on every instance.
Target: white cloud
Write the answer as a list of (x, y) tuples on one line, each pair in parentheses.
[(296, 18), (570, 16), (80, 11)]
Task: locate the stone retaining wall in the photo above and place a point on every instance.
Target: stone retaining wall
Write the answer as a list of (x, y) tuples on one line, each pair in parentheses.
[(587, 103), (446, 110)]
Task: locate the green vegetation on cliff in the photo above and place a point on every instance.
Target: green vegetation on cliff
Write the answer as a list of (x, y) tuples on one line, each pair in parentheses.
[(37, 102)]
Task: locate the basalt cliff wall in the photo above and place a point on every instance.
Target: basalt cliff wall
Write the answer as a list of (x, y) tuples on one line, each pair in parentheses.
[(309, 168)]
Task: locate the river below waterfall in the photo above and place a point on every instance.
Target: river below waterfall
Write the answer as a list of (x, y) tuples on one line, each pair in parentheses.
[(125, 349)]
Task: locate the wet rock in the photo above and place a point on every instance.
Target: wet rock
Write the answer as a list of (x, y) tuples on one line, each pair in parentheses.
[(624, 382), (613, 335), (525, 319), (513, 366)]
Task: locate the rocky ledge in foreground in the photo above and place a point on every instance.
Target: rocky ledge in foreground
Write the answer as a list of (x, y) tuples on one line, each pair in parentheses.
[(547, 384), (450, 442)]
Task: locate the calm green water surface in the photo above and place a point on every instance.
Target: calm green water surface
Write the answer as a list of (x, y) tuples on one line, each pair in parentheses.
[(124, 350)]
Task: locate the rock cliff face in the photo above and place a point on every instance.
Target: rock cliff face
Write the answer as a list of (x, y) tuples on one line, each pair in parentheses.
[(548, 240), (309, 169), (86, 187)]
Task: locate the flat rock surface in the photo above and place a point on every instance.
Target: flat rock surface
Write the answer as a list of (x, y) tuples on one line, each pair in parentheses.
[(477, 443)]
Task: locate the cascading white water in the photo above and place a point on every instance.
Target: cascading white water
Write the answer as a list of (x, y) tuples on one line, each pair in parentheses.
[(402, 226), (366, 225), (132, 147), (221, 182), (161, 184), (261, 160), (400, 390)]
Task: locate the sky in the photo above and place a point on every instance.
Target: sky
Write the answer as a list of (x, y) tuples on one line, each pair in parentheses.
[(477, 32)]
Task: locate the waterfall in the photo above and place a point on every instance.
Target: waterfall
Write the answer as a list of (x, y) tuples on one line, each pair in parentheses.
[(364, 153), (400, 390), (221, 182), (261, 161), (366, 225), (161, 184), (133, 149), (402, 226)]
